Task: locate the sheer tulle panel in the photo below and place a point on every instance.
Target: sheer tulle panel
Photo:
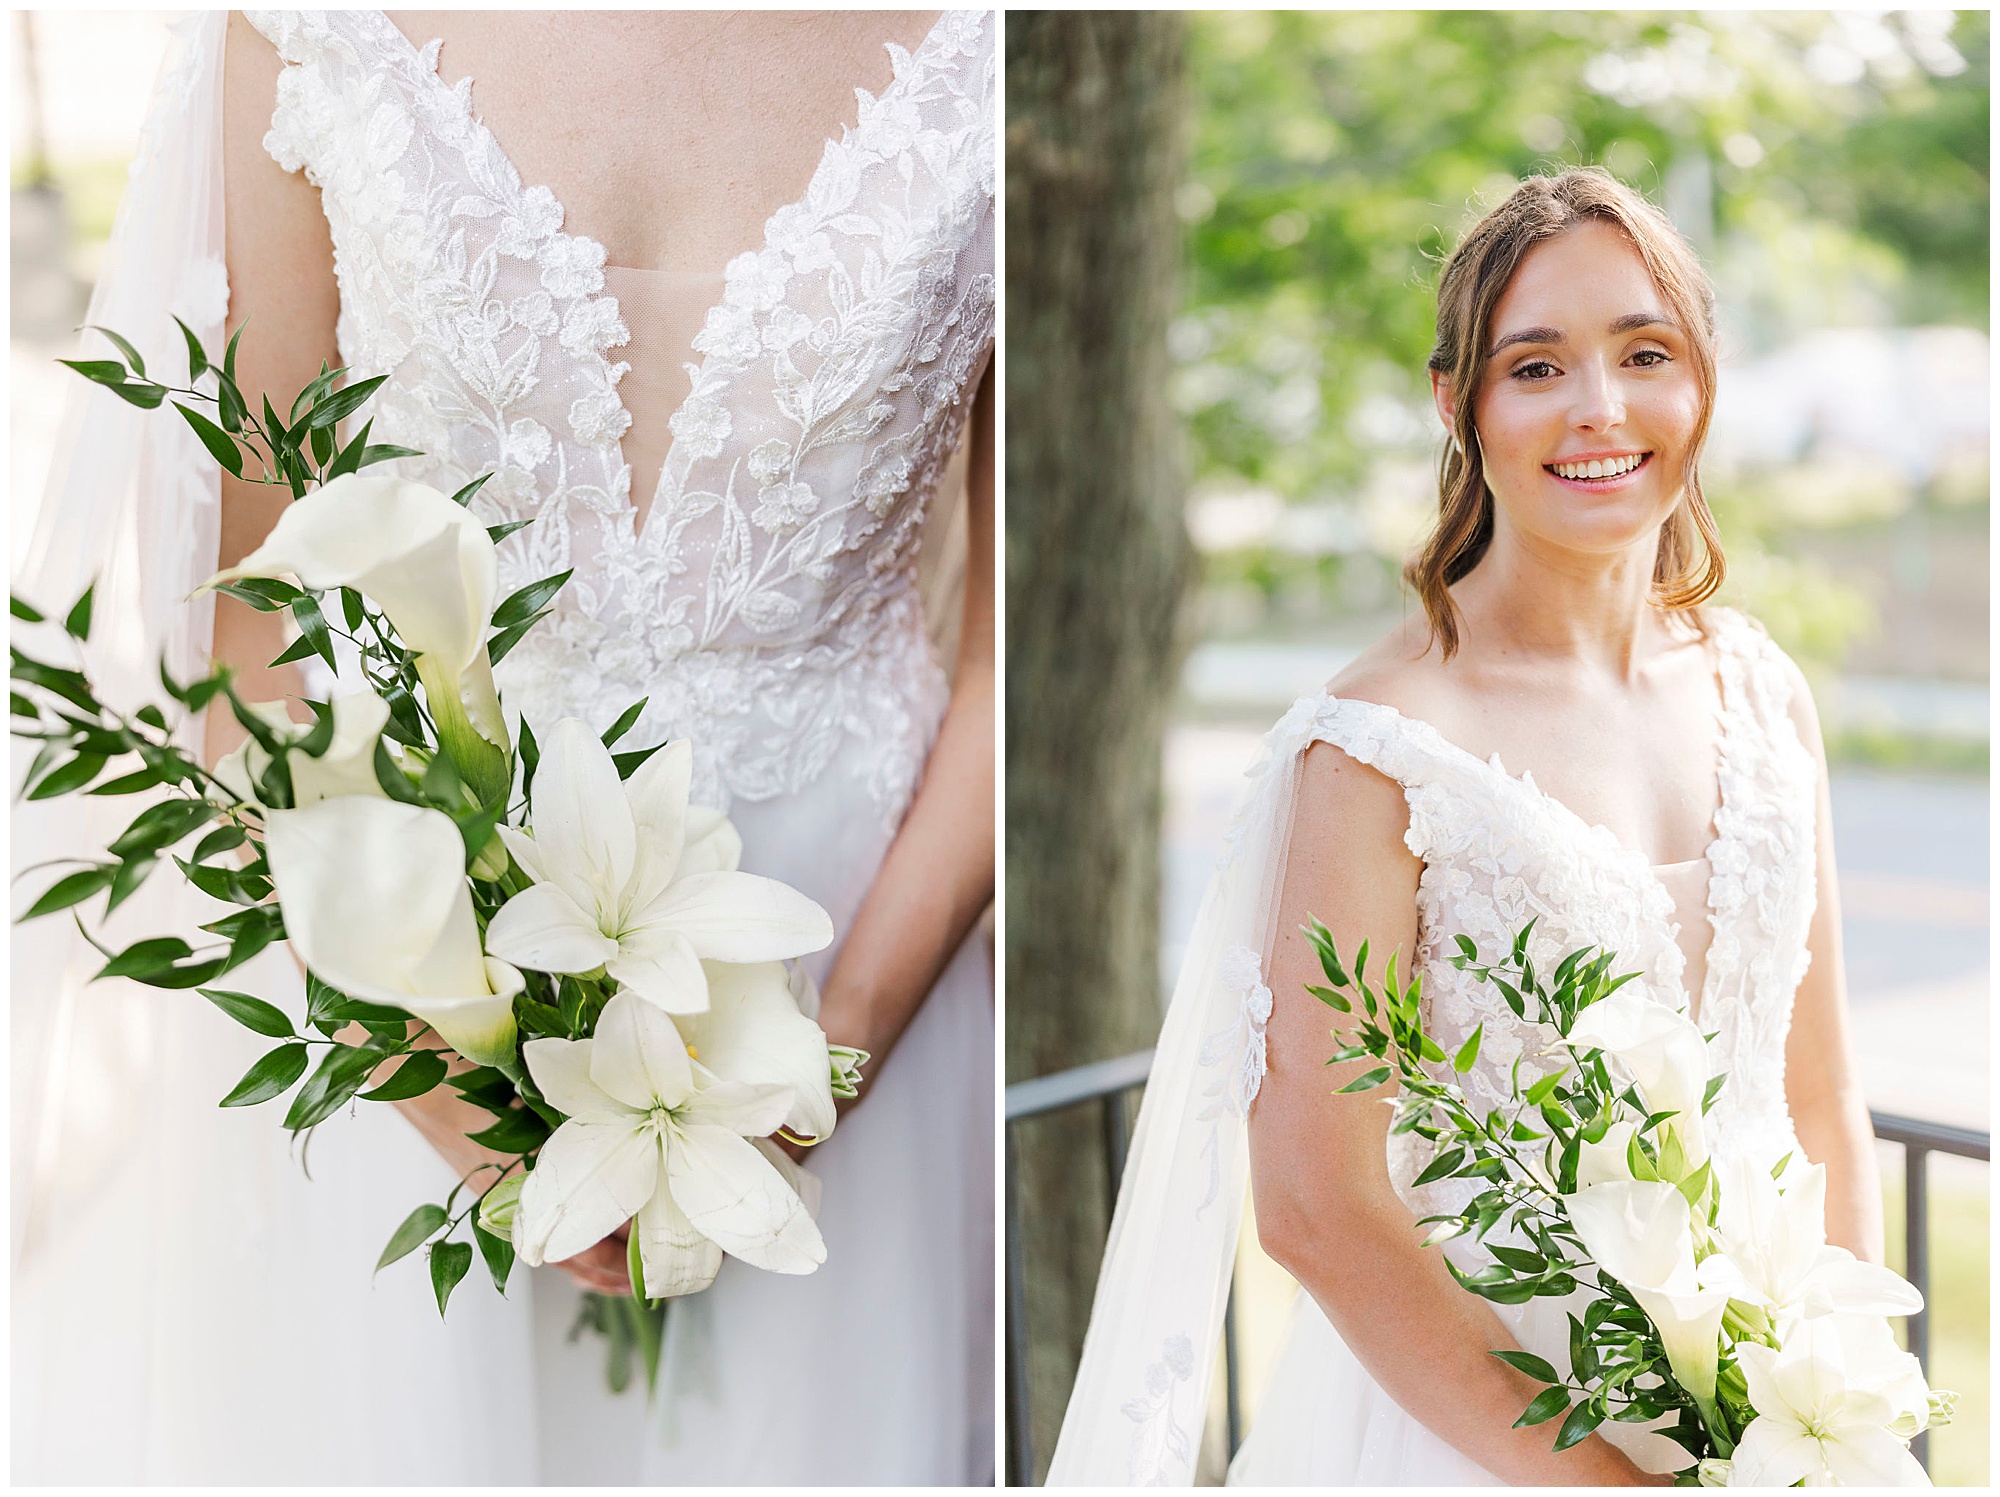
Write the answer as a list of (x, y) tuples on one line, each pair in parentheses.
[(663, 311)]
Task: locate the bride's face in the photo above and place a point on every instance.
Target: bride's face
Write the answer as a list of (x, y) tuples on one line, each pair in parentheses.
[(1590, 397)]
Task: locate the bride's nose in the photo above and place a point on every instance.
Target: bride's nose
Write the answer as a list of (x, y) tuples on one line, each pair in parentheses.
[(1599, 399)]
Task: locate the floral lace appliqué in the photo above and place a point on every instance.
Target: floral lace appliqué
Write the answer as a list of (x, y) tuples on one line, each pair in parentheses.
[(1237, 1048), (1162, 1450), (767, 608)]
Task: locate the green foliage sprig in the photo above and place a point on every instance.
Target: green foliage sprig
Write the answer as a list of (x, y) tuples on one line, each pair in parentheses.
[(87, 747), (1520, 1159)]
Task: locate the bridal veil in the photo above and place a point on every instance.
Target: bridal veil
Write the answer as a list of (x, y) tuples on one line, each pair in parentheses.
[(1142, 1391)]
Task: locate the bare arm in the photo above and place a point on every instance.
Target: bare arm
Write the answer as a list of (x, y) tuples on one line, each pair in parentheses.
[(280, 256), (1325, 1208), (1822, 1089), (938, 874)]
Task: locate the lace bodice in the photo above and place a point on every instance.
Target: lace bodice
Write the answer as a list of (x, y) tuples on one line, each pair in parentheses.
[(1498, 851), (767, 605)]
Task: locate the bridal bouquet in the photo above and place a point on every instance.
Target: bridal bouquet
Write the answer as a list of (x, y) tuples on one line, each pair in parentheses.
[(1705, 1291), (551, 930)]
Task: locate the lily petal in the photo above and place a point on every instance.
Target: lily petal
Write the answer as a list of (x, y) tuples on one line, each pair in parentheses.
[(561, 1069), (753, 1032), (584, 833), (1842, 1284), (638, 1055), (522, 846), (1865, 1456), (739, 917), (735, 1198), (713, 844), (674, 1258), (588, 1179), (1774, 1452), (746, 1110), (659, 965), (544, 928), (802, 1180), (658, 794)]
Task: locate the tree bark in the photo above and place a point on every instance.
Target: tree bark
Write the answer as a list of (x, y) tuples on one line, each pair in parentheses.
[(1097, 562)]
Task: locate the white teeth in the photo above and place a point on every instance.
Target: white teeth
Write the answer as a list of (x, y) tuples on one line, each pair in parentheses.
[(1600, 467)]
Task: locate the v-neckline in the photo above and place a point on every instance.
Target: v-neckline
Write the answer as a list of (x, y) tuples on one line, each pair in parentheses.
[(1719, 821), (425, 59)]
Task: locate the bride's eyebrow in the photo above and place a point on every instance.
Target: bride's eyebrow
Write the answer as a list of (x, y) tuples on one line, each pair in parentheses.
[(1555, 336), (1549, 335)]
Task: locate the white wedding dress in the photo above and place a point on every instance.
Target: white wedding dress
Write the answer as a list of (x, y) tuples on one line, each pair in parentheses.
[(767, 608), (1497, 851)]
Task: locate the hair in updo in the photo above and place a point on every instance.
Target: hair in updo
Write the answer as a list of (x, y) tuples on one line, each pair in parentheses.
[(1689, 566)]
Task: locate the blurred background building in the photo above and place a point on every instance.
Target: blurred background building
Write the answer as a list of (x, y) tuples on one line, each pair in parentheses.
[(1832, 170)]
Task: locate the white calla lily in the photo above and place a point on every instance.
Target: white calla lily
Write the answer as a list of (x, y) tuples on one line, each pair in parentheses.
[(429, 565), (346, 768), (1774, 1253), (1640, 1232), (1662, 1051), (629, 877), (655, 1137), (376, 903), (1608, 1158), (1814, 1424)]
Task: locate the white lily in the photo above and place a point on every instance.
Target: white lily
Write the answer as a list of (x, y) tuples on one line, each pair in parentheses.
[(630, 878), (1813, 1424), (1662, 1051), (656, 1137), (432, 569), (1774, 1253), (377, 904), (755, 1031), (346, 768), (1874, 1363), (1640, 1232)]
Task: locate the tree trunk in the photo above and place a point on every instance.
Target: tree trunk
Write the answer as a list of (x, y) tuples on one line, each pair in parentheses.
[(1097, 561)]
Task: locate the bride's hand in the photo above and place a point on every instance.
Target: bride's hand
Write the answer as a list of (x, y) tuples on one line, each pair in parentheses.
[(600, 1267)]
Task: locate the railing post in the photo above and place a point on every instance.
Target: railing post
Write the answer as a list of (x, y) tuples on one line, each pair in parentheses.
[(1917, 1267), (1020, 1429)]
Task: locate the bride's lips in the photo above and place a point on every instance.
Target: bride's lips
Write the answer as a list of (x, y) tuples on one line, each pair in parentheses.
[(1599, 485)]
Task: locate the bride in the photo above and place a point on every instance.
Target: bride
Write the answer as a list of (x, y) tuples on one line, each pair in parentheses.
[(1566, 734), (718, 348)]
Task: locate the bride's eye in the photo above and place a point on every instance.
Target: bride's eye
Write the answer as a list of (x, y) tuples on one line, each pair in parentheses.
[(1649, 358), (1534, 369)]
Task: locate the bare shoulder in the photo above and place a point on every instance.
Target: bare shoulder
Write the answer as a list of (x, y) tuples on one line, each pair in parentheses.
[(1799, 705), (1400, 670)]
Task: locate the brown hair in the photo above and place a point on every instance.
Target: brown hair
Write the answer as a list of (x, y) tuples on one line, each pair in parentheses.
[(1689, 566)]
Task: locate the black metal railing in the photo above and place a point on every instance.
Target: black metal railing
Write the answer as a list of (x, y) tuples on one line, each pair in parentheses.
[(1109, 1083), (1920, 1140)]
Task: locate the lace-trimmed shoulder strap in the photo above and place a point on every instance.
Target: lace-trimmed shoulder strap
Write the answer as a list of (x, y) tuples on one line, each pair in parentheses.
[(1455, 799), (1754, 665), (300, 36)]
